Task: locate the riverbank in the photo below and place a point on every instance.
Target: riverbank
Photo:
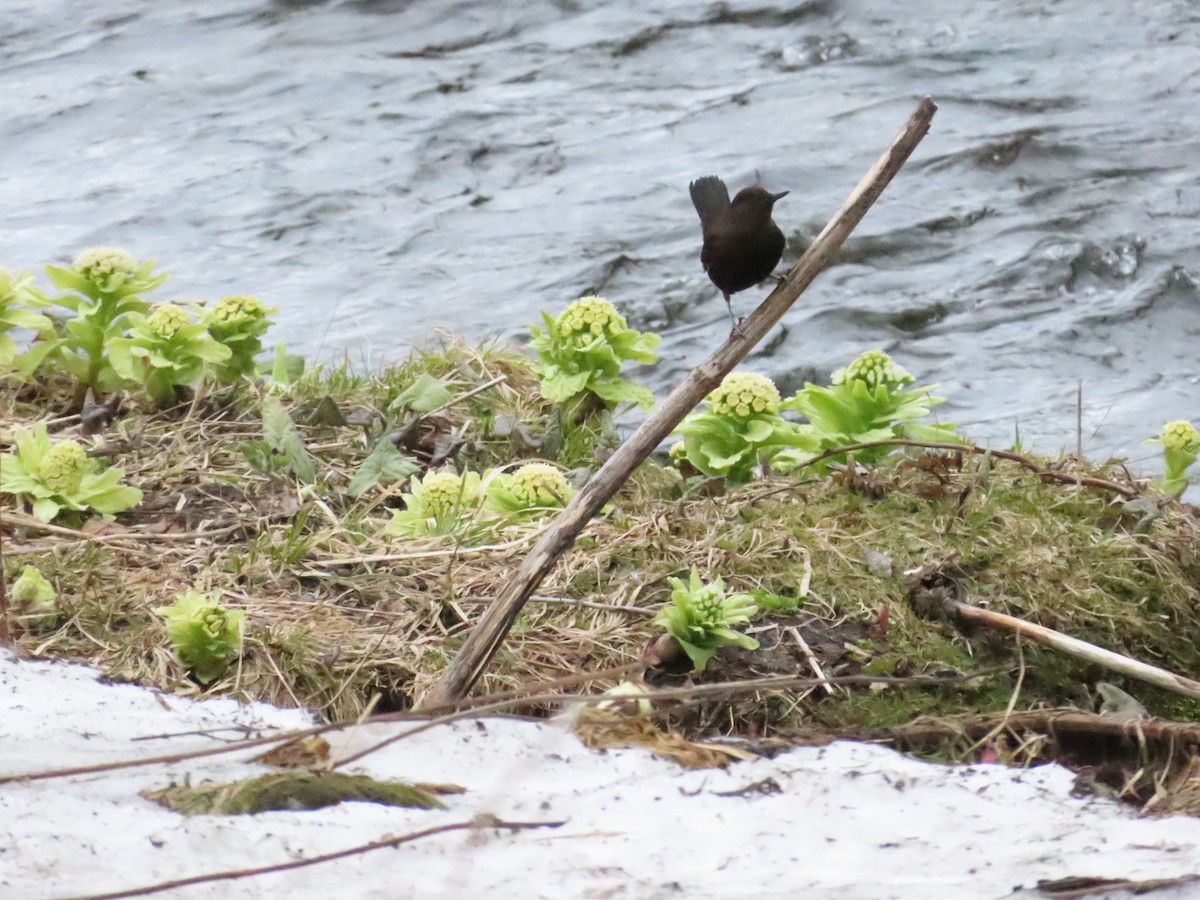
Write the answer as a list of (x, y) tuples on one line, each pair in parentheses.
[(347, 615)]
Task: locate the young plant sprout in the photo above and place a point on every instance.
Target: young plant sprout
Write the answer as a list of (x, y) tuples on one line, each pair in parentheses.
[(164, 351), (16, 296), (107, 284), (581, 352), (1181, 445), (57, 478), (441, 503), (533, 488), (699, 616), (869, 400), (238, 323), (36, 598), (741, 429), (204, 635)]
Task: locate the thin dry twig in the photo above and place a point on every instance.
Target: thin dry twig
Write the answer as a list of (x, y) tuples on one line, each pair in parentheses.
[(485, 639), (478, 822), (681, 694), (1026, 462), (813, 662), (449, 552), (4, 625), (588, 604), (30, 522), (511, 697), (477, 707), (925, 733)]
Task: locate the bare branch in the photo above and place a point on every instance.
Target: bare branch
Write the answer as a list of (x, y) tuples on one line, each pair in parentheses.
[(233, 874)]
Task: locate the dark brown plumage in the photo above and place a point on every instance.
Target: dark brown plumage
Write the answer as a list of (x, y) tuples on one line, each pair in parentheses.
[(742, 245)]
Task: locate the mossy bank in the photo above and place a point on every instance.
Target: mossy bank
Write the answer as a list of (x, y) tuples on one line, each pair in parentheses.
[(181, 514), (341, 614)]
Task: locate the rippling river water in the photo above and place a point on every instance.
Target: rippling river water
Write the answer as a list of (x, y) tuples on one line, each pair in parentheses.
[(381, 169)]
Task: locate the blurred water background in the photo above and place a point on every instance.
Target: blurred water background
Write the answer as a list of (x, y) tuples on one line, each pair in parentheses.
[(384, 168)]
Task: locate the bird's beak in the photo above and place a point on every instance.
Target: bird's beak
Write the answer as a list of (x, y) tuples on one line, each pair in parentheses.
[(779, 196)]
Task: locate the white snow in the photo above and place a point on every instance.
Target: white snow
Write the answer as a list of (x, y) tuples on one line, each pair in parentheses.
[(849, 821)]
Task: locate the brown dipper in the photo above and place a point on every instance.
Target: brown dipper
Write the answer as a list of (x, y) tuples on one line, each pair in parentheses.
[(742, 245)]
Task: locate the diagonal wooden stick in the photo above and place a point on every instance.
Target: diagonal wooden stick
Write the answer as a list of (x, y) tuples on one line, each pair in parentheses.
[(485, 639)]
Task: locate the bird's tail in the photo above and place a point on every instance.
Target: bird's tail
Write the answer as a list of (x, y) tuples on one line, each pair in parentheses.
[(710, 197)]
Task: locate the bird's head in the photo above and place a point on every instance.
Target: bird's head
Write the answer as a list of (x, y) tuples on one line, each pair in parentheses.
[(754, 204)]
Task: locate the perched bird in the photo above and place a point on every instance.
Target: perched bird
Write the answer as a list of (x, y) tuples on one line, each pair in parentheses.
[(742, 245)]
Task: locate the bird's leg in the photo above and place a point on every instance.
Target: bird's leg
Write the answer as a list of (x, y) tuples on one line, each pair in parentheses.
[(735, 330)]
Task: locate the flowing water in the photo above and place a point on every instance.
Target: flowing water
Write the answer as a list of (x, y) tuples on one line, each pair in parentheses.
[(384, 168)]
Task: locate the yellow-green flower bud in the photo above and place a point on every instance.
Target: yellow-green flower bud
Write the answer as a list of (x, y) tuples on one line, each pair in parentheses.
[(1180, 435), (875, 368), (231, 309), (100, 262), (214, 622), (441, 494), (744, 394), (589, 317), (167, 319), (539, 484), (708, 605), (677, 452), (63, 467)]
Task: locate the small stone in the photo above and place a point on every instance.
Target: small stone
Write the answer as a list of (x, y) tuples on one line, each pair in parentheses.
[(879, 564)]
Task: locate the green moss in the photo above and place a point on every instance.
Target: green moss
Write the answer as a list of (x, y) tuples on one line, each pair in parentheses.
[(289, 791)]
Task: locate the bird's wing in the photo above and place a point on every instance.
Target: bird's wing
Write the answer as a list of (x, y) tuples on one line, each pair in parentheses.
[(710, 197)]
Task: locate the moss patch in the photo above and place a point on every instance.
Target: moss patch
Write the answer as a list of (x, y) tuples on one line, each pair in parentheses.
[(289, 791)]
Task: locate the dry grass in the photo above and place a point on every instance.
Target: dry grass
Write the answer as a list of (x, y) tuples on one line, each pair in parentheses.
[(342, 618)]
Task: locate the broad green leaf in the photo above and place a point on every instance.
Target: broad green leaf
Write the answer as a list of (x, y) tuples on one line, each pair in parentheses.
[(282, 436), (385, 465), (621, 391), (425, 394), (560, 387)]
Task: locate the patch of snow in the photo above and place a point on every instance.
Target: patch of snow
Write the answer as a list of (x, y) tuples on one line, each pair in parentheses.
[(845, 821)]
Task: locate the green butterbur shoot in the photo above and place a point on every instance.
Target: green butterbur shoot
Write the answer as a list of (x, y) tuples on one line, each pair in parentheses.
[(740, 430), (106, 274), (238, 324), (164, 351), (533, 488), (204, 635), (107, 284), (581, 352), (36, 598), (699, 616), (16, 296), (869, 400), (1181, 445), (57, 478), (441, 503)]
